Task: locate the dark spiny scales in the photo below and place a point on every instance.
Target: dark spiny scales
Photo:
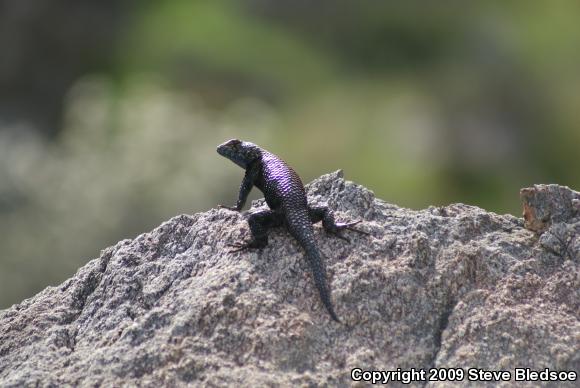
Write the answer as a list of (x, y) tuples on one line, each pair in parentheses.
[(286, 197)]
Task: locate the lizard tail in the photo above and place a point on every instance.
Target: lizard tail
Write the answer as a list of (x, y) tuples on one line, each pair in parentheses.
[(315, 261)]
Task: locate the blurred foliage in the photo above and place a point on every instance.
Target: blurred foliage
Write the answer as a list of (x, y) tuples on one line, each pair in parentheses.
[(426, 104)]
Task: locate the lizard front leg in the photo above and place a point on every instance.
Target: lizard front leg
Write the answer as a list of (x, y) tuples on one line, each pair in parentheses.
[(260, 222), (245, 188)]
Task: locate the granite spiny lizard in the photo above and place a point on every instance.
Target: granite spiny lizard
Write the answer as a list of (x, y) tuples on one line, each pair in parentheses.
[(286, 197)]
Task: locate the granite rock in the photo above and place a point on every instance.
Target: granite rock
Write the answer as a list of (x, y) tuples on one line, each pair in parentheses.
[(453, 287)]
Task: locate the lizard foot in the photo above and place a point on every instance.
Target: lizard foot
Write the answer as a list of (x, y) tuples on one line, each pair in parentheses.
[(350, 225), (254, 244), (339, 227), (238, 247)]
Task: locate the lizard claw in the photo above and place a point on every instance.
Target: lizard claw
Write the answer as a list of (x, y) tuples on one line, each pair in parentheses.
[(252, 244), (238, 247), (350, 225), (339, 227)]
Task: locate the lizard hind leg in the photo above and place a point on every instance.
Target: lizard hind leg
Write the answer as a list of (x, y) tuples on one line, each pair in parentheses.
[(324, 214), (259, 222)]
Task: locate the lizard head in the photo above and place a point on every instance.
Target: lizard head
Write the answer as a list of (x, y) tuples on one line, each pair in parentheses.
[(242, 153)]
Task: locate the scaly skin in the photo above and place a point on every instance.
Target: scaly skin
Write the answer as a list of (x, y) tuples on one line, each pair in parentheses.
[(286, 197)]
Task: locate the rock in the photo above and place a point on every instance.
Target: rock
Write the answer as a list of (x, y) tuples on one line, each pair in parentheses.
[(548, 204), (554, 212), (453, 287)]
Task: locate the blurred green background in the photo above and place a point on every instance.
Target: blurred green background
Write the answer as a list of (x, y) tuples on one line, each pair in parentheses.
[(110, 111)]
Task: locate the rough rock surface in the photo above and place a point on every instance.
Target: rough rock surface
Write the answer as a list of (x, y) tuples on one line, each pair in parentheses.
[(452, 286)]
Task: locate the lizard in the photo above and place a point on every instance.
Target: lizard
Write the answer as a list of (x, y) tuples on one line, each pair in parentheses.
[(288, 206)]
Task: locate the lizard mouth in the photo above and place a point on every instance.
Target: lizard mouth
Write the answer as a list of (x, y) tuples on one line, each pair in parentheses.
[(223, 150), (228, 152), (226, 149), (220, 150)]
